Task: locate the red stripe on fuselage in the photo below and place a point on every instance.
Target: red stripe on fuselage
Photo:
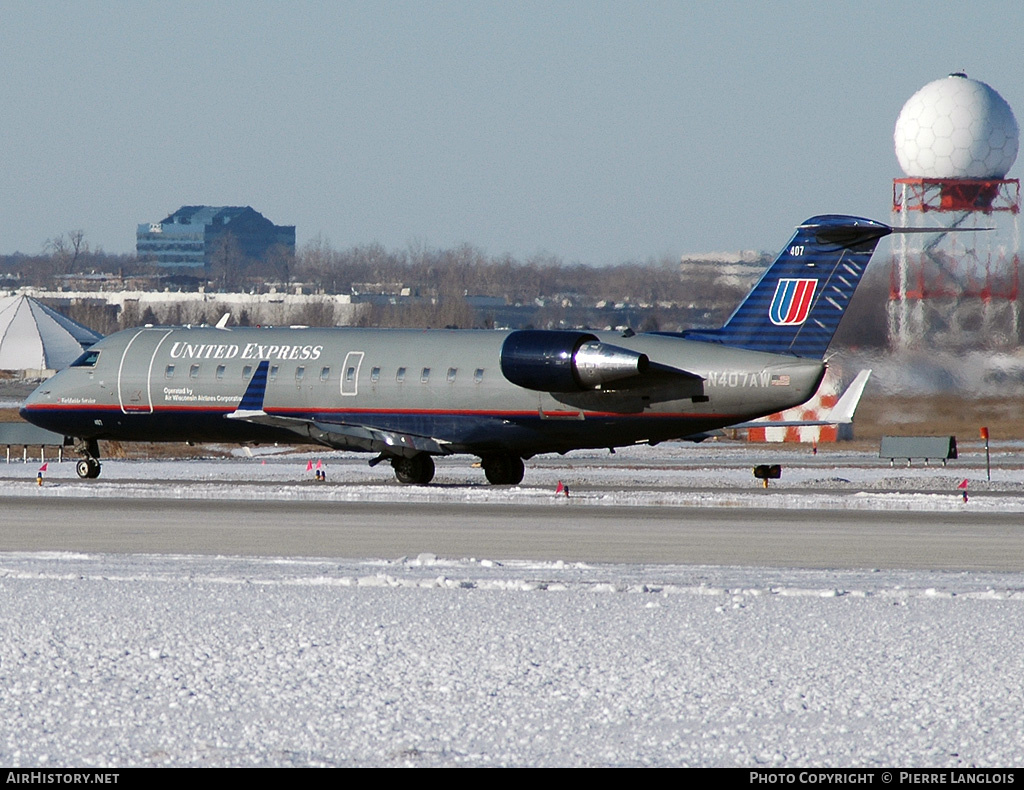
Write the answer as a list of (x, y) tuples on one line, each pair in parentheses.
[(309, 413)]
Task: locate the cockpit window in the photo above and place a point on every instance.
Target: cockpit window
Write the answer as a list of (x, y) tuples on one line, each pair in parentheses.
[(87, 360)]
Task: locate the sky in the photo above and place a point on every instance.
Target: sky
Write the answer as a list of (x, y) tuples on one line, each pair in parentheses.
[(597, 132)]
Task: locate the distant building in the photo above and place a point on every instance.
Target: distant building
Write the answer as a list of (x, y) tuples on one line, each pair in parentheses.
[(37, 340), (192, 236)]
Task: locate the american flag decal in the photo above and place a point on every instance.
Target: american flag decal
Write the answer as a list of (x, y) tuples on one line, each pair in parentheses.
[(792, 301)]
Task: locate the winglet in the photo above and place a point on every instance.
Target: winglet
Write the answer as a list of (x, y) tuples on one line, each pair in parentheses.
[(842, 412), (252, 401)]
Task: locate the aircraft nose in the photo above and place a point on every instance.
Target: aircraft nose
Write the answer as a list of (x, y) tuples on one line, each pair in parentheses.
[(29, 409)]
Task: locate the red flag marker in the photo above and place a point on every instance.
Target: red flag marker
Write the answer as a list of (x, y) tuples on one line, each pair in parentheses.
[(560, 488), (43, 467), (309, 465), (963, 484)]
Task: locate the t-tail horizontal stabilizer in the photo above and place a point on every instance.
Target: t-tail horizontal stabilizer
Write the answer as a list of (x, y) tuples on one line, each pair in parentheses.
[(797, 305)]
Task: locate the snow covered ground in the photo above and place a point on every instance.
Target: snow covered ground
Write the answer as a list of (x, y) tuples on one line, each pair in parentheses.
[(117, 660), (673, 474)]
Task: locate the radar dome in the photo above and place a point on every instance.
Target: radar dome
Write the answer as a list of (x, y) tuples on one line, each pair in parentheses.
[(956, 128)]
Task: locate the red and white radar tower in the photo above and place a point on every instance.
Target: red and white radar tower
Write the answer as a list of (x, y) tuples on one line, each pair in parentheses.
[(956, 140)]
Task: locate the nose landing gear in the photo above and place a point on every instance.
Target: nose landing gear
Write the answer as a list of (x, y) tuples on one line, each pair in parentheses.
[(88, 468)]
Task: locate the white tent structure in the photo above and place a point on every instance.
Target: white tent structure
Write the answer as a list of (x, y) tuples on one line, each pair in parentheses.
[(38, 340)]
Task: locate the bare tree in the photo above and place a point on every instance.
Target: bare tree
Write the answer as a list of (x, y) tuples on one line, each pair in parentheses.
[(66, 252), (319, 312), (280, 263), (226, 261)]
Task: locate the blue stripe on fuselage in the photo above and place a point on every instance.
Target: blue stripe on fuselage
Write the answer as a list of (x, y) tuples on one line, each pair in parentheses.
[(471, 432)]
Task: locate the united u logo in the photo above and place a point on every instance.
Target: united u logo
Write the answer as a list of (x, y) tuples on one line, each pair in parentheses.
[(792, 301)]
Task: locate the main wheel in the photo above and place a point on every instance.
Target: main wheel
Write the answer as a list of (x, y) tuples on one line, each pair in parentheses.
[(503, 470), (417, 470), (88, 468)]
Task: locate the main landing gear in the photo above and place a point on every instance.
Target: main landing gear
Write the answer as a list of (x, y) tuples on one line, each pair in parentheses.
[(415, 470), (502, 469), (88, 467)]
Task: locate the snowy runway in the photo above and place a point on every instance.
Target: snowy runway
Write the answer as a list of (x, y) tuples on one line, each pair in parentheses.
[(143, 659), (115, 661)]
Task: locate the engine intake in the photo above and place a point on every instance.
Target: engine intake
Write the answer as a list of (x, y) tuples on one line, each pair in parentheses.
[(561, 361)]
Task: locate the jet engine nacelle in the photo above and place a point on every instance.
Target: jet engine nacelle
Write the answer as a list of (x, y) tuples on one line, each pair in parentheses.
[(563, 361)]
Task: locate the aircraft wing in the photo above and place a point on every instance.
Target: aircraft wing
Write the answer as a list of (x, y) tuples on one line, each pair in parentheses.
[(347, 436), (339, 435)]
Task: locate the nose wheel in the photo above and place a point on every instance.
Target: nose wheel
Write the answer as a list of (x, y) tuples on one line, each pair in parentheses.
[(88, 468)]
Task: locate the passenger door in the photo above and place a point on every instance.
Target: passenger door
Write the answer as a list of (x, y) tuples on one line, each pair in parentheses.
[(135, 373)]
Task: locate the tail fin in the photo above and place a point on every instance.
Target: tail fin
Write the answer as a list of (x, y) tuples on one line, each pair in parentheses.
[(797, 305)]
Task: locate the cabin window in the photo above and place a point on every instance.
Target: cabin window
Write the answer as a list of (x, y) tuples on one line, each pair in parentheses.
[(247, 372), (400, 375), (220, 371), (375, 374), (425, 375), (451, 375), (350, 373), (478, 375), (86, 360), (300, 373), (325, 374), (193, 372), (169, 372), (273, 372)]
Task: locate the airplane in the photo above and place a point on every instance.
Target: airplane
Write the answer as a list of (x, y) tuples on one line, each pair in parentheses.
[(408, 396)]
